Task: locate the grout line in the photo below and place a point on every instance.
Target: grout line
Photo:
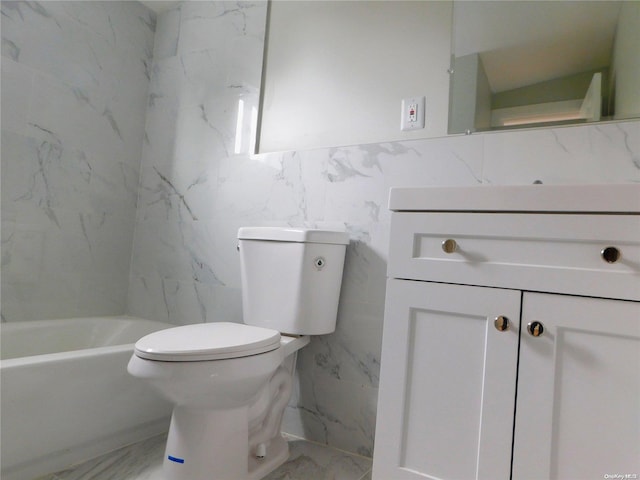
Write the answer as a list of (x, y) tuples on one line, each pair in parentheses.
[(324, 445), (366, 475)]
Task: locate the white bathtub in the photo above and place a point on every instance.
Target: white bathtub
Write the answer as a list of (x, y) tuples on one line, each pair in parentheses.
[(66, 395)]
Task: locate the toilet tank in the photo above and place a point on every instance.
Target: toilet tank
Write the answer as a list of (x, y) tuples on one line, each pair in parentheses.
[(291, 278)]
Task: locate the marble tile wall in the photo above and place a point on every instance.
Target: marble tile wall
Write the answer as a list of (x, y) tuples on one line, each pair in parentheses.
[(75, 76), (207, 59), (199, 184)]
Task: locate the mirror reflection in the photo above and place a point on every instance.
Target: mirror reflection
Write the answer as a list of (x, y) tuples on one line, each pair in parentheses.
[(523, 63)]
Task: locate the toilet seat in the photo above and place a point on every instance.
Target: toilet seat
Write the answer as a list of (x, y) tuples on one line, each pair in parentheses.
[(207, 341)]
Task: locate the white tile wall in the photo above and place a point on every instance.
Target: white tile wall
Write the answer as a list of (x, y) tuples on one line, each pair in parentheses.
[(74, 87)]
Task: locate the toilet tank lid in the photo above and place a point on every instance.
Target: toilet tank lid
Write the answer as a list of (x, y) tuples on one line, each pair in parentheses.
[(289, 234)]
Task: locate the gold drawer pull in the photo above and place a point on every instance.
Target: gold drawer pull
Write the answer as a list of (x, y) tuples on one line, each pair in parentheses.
[(449, 245)]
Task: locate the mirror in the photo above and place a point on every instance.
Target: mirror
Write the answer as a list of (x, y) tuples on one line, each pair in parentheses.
[(335, 72), (523, 63)]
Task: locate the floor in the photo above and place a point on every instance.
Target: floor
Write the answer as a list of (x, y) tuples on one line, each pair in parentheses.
[(143, 461)]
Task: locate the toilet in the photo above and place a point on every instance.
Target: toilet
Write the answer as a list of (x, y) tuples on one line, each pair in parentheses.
[(231, 382)]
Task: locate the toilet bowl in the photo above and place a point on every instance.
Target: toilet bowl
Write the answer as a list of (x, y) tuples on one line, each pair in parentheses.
[(239, 385), (229, 382)]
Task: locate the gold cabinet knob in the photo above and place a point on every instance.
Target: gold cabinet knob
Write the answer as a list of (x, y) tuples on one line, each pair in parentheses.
[(535, 329), (449, 245), (501, 323)]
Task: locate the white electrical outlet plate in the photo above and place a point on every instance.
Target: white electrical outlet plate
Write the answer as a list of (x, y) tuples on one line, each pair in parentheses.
[(412, 117)]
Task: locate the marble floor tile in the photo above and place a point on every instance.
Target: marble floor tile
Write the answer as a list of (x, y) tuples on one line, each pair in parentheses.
[(311, 461), (143, 461)]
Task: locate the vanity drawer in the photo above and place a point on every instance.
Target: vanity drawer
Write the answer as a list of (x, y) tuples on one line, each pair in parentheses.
[(551, 252)]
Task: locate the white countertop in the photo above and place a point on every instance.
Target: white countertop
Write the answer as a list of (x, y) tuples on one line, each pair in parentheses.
[(603, 198)]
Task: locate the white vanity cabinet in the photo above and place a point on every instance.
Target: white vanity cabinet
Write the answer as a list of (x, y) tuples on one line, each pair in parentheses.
[(511, 343)]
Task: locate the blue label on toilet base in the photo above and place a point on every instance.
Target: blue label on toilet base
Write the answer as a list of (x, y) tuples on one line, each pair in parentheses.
[(175, 459)]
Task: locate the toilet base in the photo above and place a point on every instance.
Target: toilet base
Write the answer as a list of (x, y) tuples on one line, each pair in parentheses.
[(196, 449), (210, 438), (277, 454), (205, 444)]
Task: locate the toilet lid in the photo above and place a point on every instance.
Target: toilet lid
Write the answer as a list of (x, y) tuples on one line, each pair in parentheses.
[(207, 341)]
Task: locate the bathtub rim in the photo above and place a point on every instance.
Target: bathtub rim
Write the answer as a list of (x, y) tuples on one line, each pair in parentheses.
[(27, 360), (61, 356)]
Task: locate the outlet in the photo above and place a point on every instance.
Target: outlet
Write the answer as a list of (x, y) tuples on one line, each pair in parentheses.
[(412, 116)]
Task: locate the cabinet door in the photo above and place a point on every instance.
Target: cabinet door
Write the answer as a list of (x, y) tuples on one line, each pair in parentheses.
[(447, 386), (578, 408)]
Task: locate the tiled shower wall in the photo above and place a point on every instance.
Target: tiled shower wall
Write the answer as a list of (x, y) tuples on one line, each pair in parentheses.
[(74, 87), (199, 184)]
